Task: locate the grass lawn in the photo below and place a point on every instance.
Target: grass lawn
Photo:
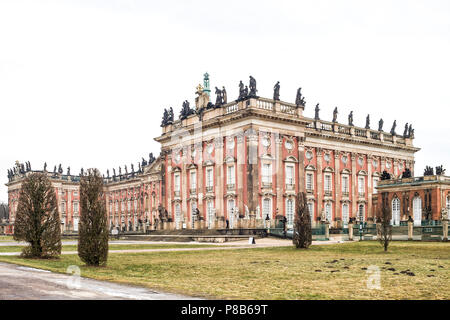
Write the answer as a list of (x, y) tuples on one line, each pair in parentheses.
[(6, 238), (279, 273), (118, 247)]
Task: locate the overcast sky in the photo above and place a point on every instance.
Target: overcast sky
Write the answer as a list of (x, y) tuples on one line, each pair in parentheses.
[(84, 83)]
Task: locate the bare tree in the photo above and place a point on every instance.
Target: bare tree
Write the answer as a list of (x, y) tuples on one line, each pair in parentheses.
[(37, 219), (93, 233), (302, 237), (384, 218)]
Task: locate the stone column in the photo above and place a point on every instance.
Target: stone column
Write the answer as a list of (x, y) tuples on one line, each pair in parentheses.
[(279, 173), (370, 188), (241, 174), (252, 170), (184, 191), (350, 231), (169, 191), (219, 192), (337, 187), (410, 230), (200, 189), (445, 229), (354, 186), (327, 230), (319, 176), (301, 163)]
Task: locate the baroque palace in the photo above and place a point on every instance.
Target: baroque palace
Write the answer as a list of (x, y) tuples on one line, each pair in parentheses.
[(239, 164)]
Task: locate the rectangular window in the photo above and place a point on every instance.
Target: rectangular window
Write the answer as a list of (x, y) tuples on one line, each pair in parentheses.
[(267, 173), (209, 179), (193, 180), (345, 185), (289, 175), (361, 185), (309, 181), (267, 206), (327, 184), (311, 210), (230, 175), (75, 207), (177, 182), (375, 184)]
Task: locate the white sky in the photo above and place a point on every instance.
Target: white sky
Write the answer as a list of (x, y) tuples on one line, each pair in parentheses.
[(84, 83)]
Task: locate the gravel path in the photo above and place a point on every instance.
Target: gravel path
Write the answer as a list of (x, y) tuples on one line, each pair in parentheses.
[(23, 283)]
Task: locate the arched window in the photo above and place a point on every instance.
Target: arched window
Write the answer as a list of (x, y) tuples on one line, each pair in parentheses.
[(328, 214), (395, 220), (361, 212), (210, 213), (267, 208), (231, 212), (448, 204), (177, 215), (345, 216), (290, 212), (193, 216), (417, 211), (311, 210)]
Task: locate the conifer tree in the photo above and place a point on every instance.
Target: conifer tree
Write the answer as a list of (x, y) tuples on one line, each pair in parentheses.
[(93, 228), (37, 219), (302, 237), (385, 228)]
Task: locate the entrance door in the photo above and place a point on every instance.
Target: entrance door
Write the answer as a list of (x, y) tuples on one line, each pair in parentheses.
[(75, 224)]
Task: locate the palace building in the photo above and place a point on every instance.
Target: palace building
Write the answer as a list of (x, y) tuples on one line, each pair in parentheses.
[(240, 164)]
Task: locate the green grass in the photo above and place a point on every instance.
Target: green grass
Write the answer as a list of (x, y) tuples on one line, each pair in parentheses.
[(118, 247), (278, 273), (6, 238)]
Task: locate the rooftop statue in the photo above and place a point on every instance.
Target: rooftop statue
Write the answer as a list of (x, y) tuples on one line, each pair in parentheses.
[(82, 172), (405, 132), (170, 119), (151, 158), (132, 168), (393, 127), (144, 162), (107, 173), (186, 110), (164, 118), (120, 171), (299, 99), (440, 170), (224, 95), (276, 91), (316, 115), (218, 97), (126, 170), (114, 172), (410, 131), (429, 171), (385, 175), (68, 171), (252, 87), (242, 94), (380, 125), (350, 118), (245, 92), (406, 173), (335, 113), (367, 122), (45, 166), (60, 169)]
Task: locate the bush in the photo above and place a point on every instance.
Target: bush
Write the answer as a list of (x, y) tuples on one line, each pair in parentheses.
[(37, 219)]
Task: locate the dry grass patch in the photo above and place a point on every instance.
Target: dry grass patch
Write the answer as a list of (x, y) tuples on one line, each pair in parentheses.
[(281, 273)]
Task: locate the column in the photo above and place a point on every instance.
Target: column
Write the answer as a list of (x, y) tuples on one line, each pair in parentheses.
[(301, 163), (199, 150), (279, 173), (219, 192), (354, 186), (241, 174), (370, 189), (319, 176), (252, 170), (337, 187)]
